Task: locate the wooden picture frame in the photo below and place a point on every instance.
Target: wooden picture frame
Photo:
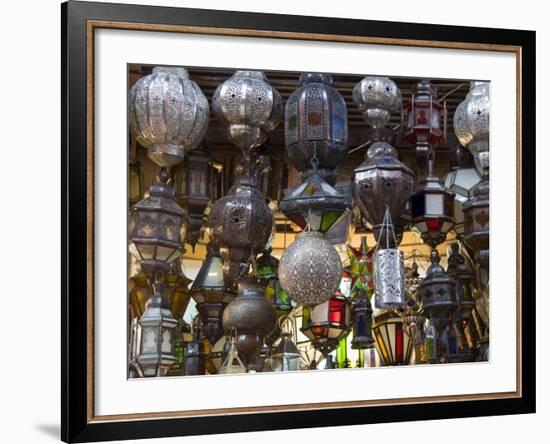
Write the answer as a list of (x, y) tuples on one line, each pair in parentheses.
[(79, 22)]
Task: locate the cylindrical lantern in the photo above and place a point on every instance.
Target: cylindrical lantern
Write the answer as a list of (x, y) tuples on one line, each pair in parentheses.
[(316, 126), (310, 269), (252, 317), (249, 107), (389, 278), (393, 343), (168, 114)]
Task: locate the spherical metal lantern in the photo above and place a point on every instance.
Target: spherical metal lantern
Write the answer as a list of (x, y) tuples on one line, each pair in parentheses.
[(249, 107), (471, 123), (316, 203), (438, 294), (156, 227), (377, 98), (252, 316), (382, 182), (310, 269), (316, 126), (168, 114), (432, 210)]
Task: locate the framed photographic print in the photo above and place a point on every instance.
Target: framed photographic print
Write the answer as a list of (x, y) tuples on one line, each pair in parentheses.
[(276, 221)]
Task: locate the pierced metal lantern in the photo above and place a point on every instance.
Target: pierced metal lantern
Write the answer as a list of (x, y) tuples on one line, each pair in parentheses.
[(252, 316), (463, 276), (476, 219), (211, 296), (432, 209), (424, 118), (327, 323), (157, 324), (249, 107), (438, 294), (316, 126), (393, 342), (310, 269), (192, 183), (471, 123), (389, 278), (381, 182), (156, 227), (168, 114), (241, 222), (461, 180), (377, 98), (316, 203), (361, 315)]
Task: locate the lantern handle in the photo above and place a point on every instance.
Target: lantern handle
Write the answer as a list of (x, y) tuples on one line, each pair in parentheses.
[(282, 320)]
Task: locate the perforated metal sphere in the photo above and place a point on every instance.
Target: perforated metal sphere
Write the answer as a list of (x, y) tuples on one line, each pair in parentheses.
[(168, 114), (310, 269), (249, 107), (377, 98)]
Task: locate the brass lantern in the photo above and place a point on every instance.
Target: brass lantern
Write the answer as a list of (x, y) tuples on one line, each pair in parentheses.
[(393, 342), (316, 126), (156, 227), (211, 296), (326, 324), (425, 118)]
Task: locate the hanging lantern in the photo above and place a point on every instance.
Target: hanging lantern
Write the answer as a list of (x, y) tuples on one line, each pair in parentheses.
[(249, 107), (241, 222), (476, 223), (310, 269), (381, 182), (193, 184), (377, 98), (232, 363), (393, 343), (389, 270), (286, 357), (414, 323), (135, 182), (361, 315), (267, 272), (211, 296), (327, 323), (360, 267), (432, 343), (461, 180), (424, 118), (157, 334), (463, 277), (252, 316), (156, 227), (471, 123), (168, 114), (432, 208), (438, 294), (316, 203), (316, 126)]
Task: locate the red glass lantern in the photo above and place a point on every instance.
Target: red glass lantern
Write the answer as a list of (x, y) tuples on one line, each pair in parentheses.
[(393, 342)]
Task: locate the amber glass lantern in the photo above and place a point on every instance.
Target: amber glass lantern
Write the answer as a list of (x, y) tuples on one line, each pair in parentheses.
[(393, 343)]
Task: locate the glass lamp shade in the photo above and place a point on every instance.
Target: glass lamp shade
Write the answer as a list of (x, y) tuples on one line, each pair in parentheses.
[(316, 126), (168, 114), (423, 116), (327, 323), (157, 324), (157, 224), (286, 357), (432, 210), (393, 343), (316, 203)]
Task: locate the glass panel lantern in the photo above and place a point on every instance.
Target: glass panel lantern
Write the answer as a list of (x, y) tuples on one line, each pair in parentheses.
[(316, 203), (362, 321), (286, 357), (393, 342)]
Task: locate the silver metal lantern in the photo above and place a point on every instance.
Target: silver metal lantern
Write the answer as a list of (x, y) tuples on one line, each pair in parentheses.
[(471, 123), (310, 269), (377, 98), (316, 126), (249, 107), (168, 114)]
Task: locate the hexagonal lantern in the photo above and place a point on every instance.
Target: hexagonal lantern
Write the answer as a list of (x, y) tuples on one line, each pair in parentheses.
[(315, 203), (156, 227), (463, 276), (361, 314), (393, 342), (476, 219), (316, 126)]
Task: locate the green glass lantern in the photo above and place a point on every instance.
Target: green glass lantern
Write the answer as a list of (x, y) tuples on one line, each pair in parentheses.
[(393, 343)]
